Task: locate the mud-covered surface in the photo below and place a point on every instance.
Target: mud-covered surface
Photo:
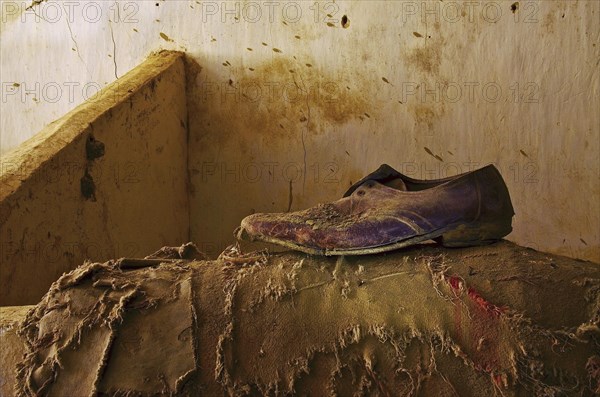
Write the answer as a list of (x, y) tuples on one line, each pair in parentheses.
[(495, 320)]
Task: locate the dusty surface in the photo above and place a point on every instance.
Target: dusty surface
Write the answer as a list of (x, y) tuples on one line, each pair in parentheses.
[(87, 185), (493, 320), (12, 348)]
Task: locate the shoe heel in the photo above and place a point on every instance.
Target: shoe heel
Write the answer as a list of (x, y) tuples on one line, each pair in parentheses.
[(475, 233)]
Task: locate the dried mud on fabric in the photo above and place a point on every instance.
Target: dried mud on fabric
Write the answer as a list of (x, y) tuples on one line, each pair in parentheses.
[(495, 320)]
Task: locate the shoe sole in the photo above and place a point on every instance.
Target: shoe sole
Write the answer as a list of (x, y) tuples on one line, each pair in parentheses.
[(453, 236)]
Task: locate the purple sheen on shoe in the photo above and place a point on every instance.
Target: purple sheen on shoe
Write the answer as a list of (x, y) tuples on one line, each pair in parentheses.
[(471, 208)]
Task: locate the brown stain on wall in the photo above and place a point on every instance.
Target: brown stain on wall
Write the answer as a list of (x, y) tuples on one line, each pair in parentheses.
[(548, 23), (424, 115), (427, 57), (272, 101)]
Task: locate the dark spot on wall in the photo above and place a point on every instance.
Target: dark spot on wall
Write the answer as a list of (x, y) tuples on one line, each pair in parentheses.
[(417, 34), (583, 241), (330, 24), (88, 187), (265, 44), (298, 37), (157, 4), (345, 22), (514, 7), (165, 37), (433, 155), (251, 69), (385, 80), (523, 153), (277, 50), (249, 49), (93, 148), (309, 65)]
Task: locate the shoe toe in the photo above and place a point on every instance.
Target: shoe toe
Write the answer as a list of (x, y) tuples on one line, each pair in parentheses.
[(273, 226), (251, 227)]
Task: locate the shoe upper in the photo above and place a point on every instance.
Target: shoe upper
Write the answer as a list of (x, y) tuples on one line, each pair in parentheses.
[(388, 176)]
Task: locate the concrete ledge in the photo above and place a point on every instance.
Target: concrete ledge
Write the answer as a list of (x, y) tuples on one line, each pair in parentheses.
[(108, 179)]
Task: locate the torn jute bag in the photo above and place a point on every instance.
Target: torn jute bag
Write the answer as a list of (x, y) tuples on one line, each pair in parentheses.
[(493, 320)]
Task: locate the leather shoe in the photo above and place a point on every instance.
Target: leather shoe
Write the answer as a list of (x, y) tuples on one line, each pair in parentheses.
[(387, 210)]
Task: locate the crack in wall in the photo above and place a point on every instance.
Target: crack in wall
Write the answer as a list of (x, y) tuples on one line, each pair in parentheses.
[(290, 197), (77, 46), (304, 131), (114, 56)]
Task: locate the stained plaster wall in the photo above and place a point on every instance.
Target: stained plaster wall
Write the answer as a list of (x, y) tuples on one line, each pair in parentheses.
[(107, 180), (287, 107)]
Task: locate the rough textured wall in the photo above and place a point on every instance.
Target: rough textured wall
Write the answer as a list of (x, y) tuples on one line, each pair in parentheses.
[(285, 115), (108, 179), (289, 104)]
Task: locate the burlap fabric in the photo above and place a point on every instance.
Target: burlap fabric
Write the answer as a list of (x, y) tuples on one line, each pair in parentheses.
[(495, 320)]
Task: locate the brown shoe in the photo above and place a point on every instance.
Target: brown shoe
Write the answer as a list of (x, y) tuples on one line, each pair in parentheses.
[(387, 210)]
